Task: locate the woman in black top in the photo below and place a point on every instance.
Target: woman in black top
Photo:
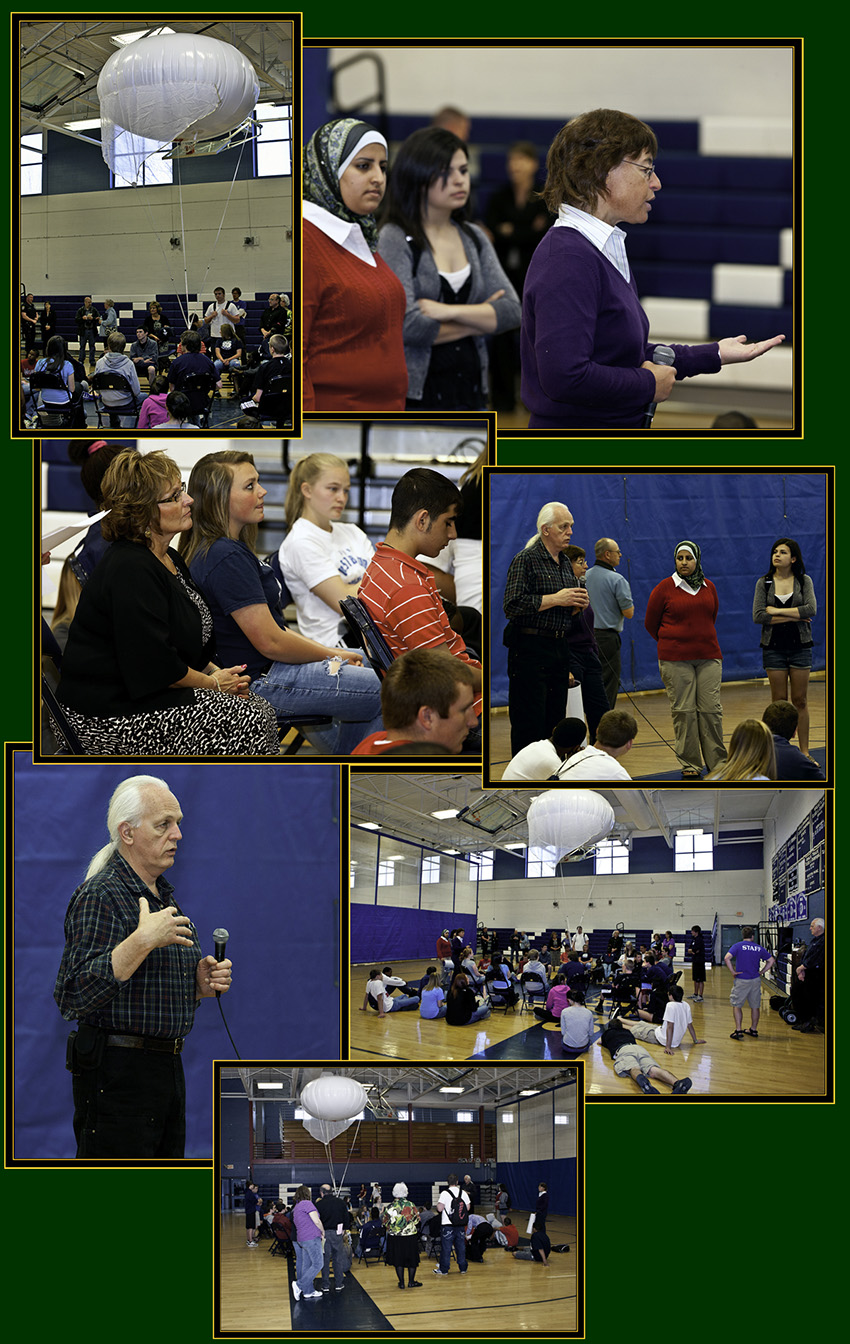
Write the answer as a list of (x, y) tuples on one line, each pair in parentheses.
[(138, 676), (47, 320), (697, 963), (462, 1007)]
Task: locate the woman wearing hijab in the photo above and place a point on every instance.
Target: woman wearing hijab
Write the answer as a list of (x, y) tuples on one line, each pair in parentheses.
[(680, 616), (353, 303)]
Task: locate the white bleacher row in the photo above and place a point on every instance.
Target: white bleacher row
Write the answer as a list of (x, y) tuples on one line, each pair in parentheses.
[(739, 136), (686, 321)]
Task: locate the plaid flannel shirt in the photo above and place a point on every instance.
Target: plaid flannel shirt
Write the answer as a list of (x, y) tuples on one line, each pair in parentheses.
[(160, 997)]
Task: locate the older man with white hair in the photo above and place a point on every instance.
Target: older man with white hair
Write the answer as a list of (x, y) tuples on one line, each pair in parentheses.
[(542, 599), (132, 975), (808, 983)]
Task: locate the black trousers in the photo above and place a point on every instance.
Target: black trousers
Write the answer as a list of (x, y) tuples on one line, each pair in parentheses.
[(133, 1104), (586, 669), (610, 646), (538, 681)]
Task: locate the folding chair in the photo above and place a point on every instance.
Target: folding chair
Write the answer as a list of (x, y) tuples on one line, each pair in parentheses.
[(281, 1243), (366, 634), (532, 988), (276, 402), (372, 1245), (113, 382), (54, 414), (199, 388), (66, 737)]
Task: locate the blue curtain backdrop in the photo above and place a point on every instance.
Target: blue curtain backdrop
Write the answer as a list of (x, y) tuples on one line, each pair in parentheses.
[(259, 856), (735, 518)]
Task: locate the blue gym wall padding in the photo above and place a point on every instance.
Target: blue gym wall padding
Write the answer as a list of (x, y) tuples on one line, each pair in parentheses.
[(259, 855), (734, 517), (380, 933)]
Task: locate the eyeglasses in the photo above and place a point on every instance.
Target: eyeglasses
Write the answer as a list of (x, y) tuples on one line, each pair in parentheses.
[(176, 496), (648, 170)]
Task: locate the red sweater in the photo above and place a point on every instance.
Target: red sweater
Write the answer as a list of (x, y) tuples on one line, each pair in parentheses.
[(353, 343), (683, 625)]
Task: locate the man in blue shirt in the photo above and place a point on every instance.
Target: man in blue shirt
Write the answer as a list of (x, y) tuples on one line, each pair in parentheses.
[(746, 986), (611, 599)]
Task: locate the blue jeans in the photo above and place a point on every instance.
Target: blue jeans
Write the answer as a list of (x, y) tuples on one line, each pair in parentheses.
[(400, 1003), (352, 697), (452, 1236), (87, 341), (234, 364), (483, 1011), (308, 1263)]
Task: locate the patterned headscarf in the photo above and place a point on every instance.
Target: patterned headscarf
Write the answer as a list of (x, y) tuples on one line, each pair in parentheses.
[(327, 154), (697, 579)]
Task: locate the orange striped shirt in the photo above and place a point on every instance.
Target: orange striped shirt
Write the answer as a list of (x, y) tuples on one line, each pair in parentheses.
[(402, 599)]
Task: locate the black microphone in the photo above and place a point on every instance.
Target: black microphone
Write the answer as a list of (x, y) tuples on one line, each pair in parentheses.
[(220, 937), (663, 355)]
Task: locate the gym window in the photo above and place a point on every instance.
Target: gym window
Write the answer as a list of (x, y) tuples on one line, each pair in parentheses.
[(464, 1117), (155, 171), (694, 852), (431, 868), (386, 873), (481, 866), (539, 862), (274, 142), (610, 857), (32, 164)]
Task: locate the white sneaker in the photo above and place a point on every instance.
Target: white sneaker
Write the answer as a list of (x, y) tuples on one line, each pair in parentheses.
[(306, 1295), (296, 1291)]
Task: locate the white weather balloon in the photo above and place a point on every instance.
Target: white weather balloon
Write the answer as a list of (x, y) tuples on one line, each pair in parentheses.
[(174, 86), (332, 1101), (565, 819), (333, 1096)]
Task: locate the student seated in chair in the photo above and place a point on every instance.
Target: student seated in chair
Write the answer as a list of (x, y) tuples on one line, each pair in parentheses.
[(189, 361), (426, 697), (398, 589), (115, 361)]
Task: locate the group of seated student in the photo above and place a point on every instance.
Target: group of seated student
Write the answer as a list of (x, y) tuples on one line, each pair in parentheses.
[(180, 648), (180, 628), (214, 345)]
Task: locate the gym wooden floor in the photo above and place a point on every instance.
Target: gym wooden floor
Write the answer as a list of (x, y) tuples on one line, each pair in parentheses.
[(255, 1292), (649, 755), (780, 1063)]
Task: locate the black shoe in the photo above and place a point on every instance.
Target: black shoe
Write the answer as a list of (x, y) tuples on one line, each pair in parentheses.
[(646, 1086), (683, 1085), (813, 1028)]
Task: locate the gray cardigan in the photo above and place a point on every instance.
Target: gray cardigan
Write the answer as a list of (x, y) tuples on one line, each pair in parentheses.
[(802, 597), (420, 331)]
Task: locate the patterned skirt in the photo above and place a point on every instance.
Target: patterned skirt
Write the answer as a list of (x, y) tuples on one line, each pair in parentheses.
[(214, 724)]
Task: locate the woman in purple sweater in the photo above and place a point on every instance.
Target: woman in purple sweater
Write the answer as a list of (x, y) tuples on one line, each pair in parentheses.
[(680, 616), (587, 362)]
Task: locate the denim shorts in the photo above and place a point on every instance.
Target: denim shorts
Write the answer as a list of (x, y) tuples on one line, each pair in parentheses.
[(776, 661)]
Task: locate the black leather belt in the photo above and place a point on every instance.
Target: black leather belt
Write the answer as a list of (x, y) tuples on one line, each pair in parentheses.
[(544, 634), (155, 1043)]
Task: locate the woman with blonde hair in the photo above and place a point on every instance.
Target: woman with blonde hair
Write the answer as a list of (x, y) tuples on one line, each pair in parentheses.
[(751, 757), (138, 676), (295, 675), (322, 559)]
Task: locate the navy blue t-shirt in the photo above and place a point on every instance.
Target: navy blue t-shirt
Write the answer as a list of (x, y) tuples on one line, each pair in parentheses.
[(230, 576)]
